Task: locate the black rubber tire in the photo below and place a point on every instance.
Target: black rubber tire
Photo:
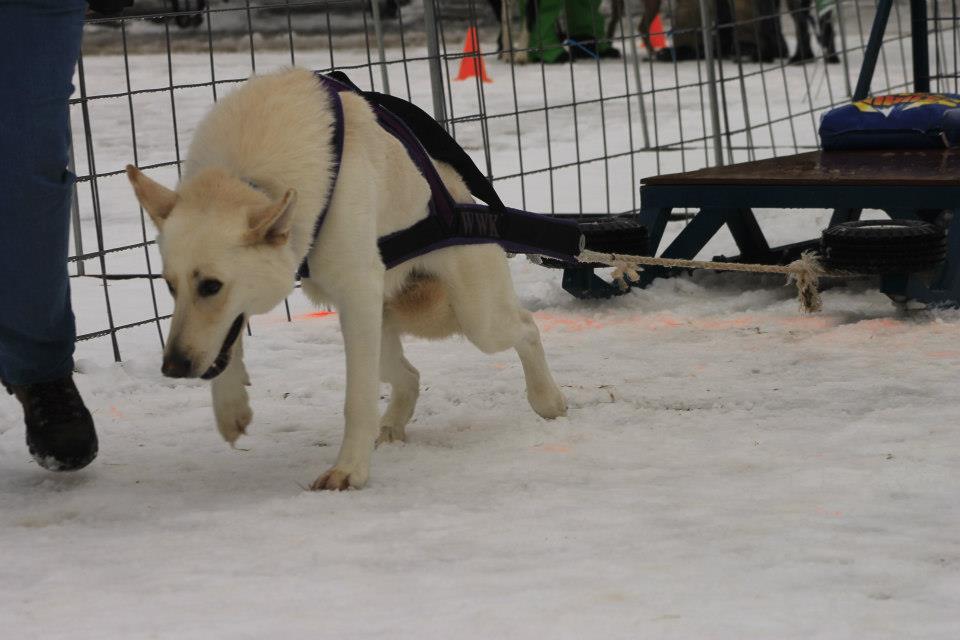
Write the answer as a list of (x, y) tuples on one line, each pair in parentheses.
[(622, 234), (617, 235), (883, 246)]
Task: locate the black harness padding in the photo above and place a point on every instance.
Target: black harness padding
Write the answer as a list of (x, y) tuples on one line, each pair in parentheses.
[(449, 223), (434, 139), (336, 106)]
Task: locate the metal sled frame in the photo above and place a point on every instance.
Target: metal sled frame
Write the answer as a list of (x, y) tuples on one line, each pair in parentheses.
[(725, 198), (905, 184)]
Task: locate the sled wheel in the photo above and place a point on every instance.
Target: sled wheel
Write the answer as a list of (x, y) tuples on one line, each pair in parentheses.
[(620, 234), (623, 234), (553, 263), (583, 283), (883, 246)]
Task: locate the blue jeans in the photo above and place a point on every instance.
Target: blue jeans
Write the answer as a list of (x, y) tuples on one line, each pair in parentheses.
[(39, 46)]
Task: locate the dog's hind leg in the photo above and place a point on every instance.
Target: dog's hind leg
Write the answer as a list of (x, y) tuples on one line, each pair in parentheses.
[(542, 391), (404, 381), (231, 404), (360, 307), (513, 326), (491, 318)]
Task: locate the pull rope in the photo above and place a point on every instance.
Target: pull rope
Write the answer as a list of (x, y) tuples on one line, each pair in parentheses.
[(804, 273)]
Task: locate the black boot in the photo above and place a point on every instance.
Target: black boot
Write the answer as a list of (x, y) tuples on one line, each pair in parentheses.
[(750, 52), (677, 54), (802, 55), (588, 49), (801, 22), (827, 41), (60, 433)]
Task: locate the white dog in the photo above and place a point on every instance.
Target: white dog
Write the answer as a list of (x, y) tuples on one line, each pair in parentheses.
[(231, 249)]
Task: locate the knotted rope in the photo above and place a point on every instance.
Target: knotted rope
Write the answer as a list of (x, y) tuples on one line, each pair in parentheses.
[(805, 273)]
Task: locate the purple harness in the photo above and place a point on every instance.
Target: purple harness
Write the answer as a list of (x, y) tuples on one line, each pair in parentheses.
[(447, 223)]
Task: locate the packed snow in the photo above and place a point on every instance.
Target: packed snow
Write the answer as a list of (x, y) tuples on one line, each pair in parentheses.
[(728, 468)]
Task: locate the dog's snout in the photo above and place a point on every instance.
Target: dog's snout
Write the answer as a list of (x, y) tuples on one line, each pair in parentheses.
[(176, 365)]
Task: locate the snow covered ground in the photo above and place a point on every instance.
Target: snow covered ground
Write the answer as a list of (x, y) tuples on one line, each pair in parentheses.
[(728, 469)]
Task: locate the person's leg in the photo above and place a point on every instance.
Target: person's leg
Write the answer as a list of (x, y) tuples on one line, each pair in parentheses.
[(747, 29), (774, 44), (39, 45), (800, 12), (544, 43), (725, 32), (585, 23), (825, 20), (687, 35)]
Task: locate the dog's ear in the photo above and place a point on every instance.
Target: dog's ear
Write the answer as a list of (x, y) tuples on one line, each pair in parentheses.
[(271, 224), (153, 196)]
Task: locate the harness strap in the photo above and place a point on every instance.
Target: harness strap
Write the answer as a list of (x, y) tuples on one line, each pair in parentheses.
[(515, 230), (333, 91), (428, 135), (441, 202), (448, 223)]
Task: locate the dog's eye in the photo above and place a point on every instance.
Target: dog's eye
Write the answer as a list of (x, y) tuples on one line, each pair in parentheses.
[(209, 288)]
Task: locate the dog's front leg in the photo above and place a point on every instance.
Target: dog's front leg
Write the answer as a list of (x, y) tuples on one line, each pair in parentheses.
[(231, 404), (521, 55), (513, 50), (506, 41), (361, 317)]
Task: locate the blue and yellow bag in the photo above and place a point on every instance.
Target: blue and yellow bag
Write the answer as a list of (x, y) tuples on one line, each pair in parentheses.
[(899, 121)]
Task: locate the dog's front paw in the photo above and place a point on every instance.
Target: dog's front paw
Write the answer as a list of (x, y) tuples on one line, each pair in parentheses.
[(340, 479), (233, 420), (516, 57), (390, 434), (549, 403)]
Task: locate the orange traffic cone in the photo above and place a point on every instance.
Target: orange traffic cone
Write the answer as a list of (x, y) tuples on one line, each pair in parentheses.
[(657, 37), (472, 65)]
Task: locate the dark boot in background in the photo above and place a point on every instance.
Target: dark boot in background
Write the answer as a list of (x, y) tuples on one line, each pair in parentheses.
[(827, 38)]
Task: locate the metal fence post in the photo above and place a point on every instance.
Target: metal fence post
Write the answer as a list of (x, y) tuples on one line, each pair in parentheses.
[(433, 56), (95, 194), (636, 72), (921, 48), (872, 52), (378, 31), (838, 7), (75, 213), (707, 26)]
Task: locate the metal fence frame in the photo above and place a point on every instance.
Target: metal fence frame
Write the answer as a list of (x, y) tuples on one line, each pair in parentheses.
[(727, 123)]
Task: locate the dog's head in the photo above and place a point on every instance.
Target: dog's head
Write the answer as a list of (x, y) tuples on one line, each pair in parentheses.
[(225, 252)]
